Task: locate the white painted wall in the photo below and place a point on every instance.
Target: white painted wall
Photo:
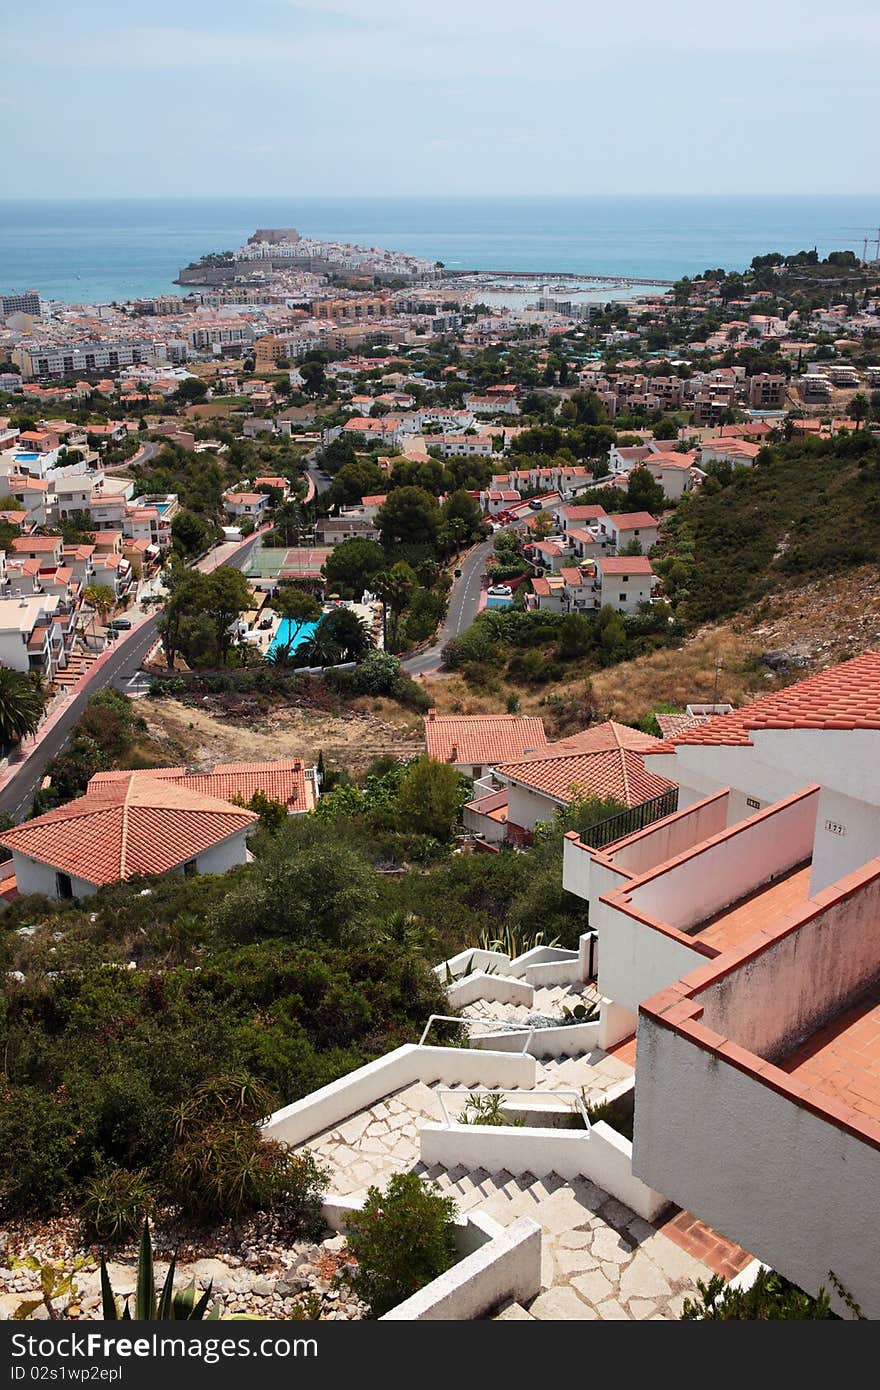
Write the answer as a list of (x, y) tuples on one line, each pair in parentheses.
[(496, 1264), (526, 807), (600, 1154), (635, 960), (591, 873), (779, 997), (506, 1267), (476, 957), (748, 855), (670, 837), (32, 876), (500, 989), (798, 1192), (448, 1066), (847, 836), (571, 1040)]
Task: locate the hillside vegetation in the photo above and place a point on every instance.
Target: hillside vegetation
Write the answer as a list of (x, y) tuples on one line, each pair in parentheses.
[(811, 507)]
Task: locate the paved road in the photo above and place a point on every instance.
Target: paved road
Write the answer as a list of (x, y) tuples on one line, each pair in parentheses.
[(117, 671), (321, 483), (464, 597)]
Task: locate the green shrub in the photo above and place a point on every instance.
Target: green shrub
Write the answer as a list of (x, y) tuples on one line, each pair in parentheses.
[(222, 1166), (770, 1298), (227, 1170), (114, 1205), (402, 1239), (486, 1110)]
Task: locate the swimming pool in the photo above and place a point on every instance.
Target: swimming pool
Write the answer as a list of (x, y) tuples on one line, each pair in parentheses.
[(282, 636), (25, 458)]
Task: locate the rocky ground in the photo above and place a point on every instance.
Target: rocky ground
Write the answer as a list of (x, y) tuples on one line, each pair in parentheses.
[(235, 729), (254, 1271)]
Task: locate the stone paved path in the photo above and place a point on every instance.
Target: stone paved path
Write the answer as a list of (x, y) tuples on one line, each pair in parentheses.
[(600, 1260)]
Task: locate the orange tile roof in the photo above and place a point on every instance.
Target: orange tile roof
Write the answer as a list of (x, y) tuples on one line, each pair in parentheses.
[(630, 521), (617, 772), (843, 697), (283, 781), (623, 564), (481, 738), (45, 544), (592, 513), (140, 824), (672, 724)]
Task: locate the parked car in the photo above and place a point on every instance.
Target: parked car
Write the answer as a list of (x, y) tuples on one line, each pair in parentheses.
[(536, 504), (500, 590), (120, 624)]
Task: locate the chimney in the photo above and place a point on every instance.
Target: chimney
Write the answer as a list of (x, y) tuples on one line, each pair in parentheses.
[(453, 756), (432, 713)]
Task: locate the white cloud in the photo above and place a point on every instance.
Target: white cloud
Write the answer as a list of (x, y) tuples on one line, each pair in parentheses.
[(564, 41)]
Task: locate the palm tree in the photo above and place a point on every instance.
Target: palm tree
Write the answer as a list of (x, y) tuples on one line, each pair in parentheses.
[(348, 632), (320, 649), (859, 408), (101, 599), (395, 590), (22, 701)]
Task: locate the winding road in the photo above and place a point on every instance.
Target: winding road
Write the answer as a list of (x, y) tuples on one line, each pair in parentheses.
[(121, 666)]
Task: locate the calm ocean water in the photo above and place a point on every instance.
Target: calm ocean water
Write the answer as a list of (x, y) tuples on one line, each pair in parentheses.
[(99, 251)]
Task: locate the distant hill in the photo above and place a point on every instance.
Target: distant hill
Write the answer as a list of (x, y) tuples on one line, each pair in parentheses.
[(810, 508)]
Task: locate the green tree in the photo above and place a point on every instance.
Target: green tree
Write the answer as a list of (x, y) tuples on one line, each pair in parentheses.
[(309, 889), (395, 588), (859, 408), (362, 478), (22, 701), (430, 798), (227, 594), (347, 632), (314, 375), (409, 516), (190, 534), (643, 494), (352, 566), (186, 597), (462, 519), (191, 391)]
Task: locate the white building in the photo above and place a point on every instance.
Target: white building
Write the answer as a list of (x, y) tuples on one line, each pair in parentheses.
[(623, 581), (738, 935)]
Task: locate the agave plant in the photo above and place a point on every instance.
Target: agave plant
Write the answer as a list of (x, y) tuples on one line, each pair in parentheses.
[(167, 1306), (514, 943)]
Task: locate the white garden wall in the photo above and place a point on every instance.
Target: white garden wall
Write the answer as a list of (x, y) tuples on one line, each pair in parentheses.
[(572, 1040), (499, 989), (496, 1264), (447, 1066), (600, 1154)]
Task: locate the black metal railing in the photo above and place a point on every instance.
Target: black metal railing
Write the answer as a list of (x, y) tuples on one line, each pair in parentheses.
[(628, 822)]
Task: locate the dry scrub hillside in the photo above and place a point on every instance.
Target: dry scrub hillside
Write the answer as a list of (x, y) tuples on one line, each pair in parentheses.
[(814, 625)]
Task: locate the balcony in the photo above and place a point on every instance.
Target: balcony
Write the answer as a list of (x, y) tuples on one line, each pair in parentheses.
[(758, 1090), (667, 920)]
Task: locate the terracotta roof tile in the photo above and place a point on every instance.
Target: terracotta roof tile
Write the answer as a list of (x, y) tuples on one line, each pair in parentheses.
[(843, 697), (284, 781), (142, 825), (481, 738), (616, 772)]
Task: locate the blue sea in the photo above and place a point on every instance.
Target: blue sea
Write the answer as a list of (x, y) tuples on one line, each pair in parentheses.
[(98, 251)]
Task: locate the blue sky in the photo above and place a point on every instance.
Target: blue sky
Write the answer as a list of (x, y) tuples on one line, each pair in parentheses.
[(211, 97)]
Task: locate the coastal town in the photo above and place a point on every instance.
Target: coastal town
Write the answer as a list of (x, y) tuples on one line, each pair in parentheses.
[(439, 712)]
